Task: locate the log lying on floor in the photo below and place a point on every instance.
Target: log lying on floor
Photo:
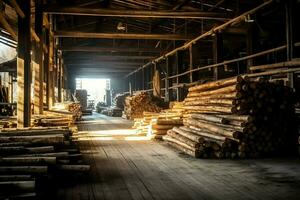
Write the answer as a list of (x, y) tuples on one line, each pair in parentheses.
[(17, 186), (27, 160), (239, 117), (27, 154), (23, 170)]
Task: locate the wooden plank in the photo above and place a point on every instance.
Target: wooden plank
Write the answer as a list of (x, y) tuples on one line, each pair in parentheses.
[(132, 36), (135, 13), (106, 49)]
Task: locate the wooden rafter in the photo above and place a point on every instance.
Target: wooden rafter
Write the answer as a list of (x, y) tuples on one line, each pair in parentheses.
[(133, 36), (135, 13), (106, 49)]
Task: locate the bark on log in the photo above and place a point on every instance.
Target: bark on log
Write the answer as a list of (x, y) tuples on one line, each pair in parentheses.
[(216, 84), (44, 139), (190, 135), (27, 160), (210, 118), (183, 139), (75, 168), (23, 170), (17, 186)]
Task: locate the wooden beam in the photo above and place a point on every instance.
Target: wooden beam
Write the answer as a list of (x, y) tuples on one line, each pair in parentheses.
[(24, 67), (116, 64), (132, 36), (107, 49), (7, 27), (135, 13), (17, 8), (96, 57)]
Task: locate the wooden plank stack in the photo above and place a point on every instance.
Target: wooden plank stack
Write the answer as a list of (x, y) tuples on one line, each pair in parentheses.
[(81, 96), (143, 125), (141, 102), (29, 154), (167, 119), (73, 108), (237, 117)]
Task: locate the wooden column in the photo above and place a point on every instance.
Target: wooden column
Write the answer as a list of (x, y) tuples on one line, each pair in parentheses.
[(46, 66), (191, 62), (217, 53), (23, 66), (59, 84), (39, 53), (177, 78), (51, 67), (289, 11), (167, 92), (249, 42)]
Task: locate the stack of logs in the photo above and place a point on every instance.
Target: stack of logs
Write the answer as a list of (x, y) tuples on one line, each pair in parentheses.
[(29, 154), (141, 102), (53, 118), (119, 100), (237, 117)]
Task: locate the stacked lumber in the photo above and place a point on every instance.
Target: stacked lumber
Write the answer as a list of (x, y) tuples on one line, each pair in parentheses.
[(8, 122), (142, 102), (119, 100), (167, 119), (81, 96), (237, 117), (143, 125), (29, 154), (73, 108), (48, 120)]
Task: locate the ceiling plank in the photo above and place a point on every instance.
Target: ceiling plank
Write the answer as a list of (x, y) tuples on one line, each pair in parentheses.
[(135, 13), (107, 49), (133, 36)]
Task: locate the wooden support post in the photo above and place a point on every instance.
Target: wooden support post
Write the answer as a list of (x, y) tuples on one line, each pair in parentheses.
[(289, 9), (39, 54), (143, 79), (167, 92), (59, 84), (36, 78), (217, 53), (177, 78), (46, 65), (191, 62), (23, 66), (51, 67), (249, 41)]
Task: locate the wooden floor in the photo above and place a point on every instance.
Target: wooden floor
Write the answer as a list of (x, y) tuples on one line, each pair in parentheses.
[(124, 168)]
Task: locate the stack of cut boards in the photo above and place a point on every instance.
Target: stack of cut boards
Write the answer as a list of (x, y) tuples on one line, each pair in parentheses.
[(27, 154), (167, 119), (237, 117), (50, 118), (8, 122), (69, 108), (157, 124)]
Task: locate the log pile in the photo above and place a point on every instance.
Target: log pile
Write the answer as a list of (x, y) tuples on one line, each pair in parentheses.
[(29, 154), (119, 100), (237, 117), (142, 102)]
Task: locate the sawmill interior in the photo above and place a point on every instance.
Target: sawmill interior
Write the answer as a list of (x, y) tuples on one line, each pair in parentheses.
[(149, 99)]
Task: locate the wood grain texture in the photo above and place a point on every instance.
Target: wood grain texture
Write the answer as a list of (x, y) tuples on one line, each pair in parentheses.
[(123, 169)]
